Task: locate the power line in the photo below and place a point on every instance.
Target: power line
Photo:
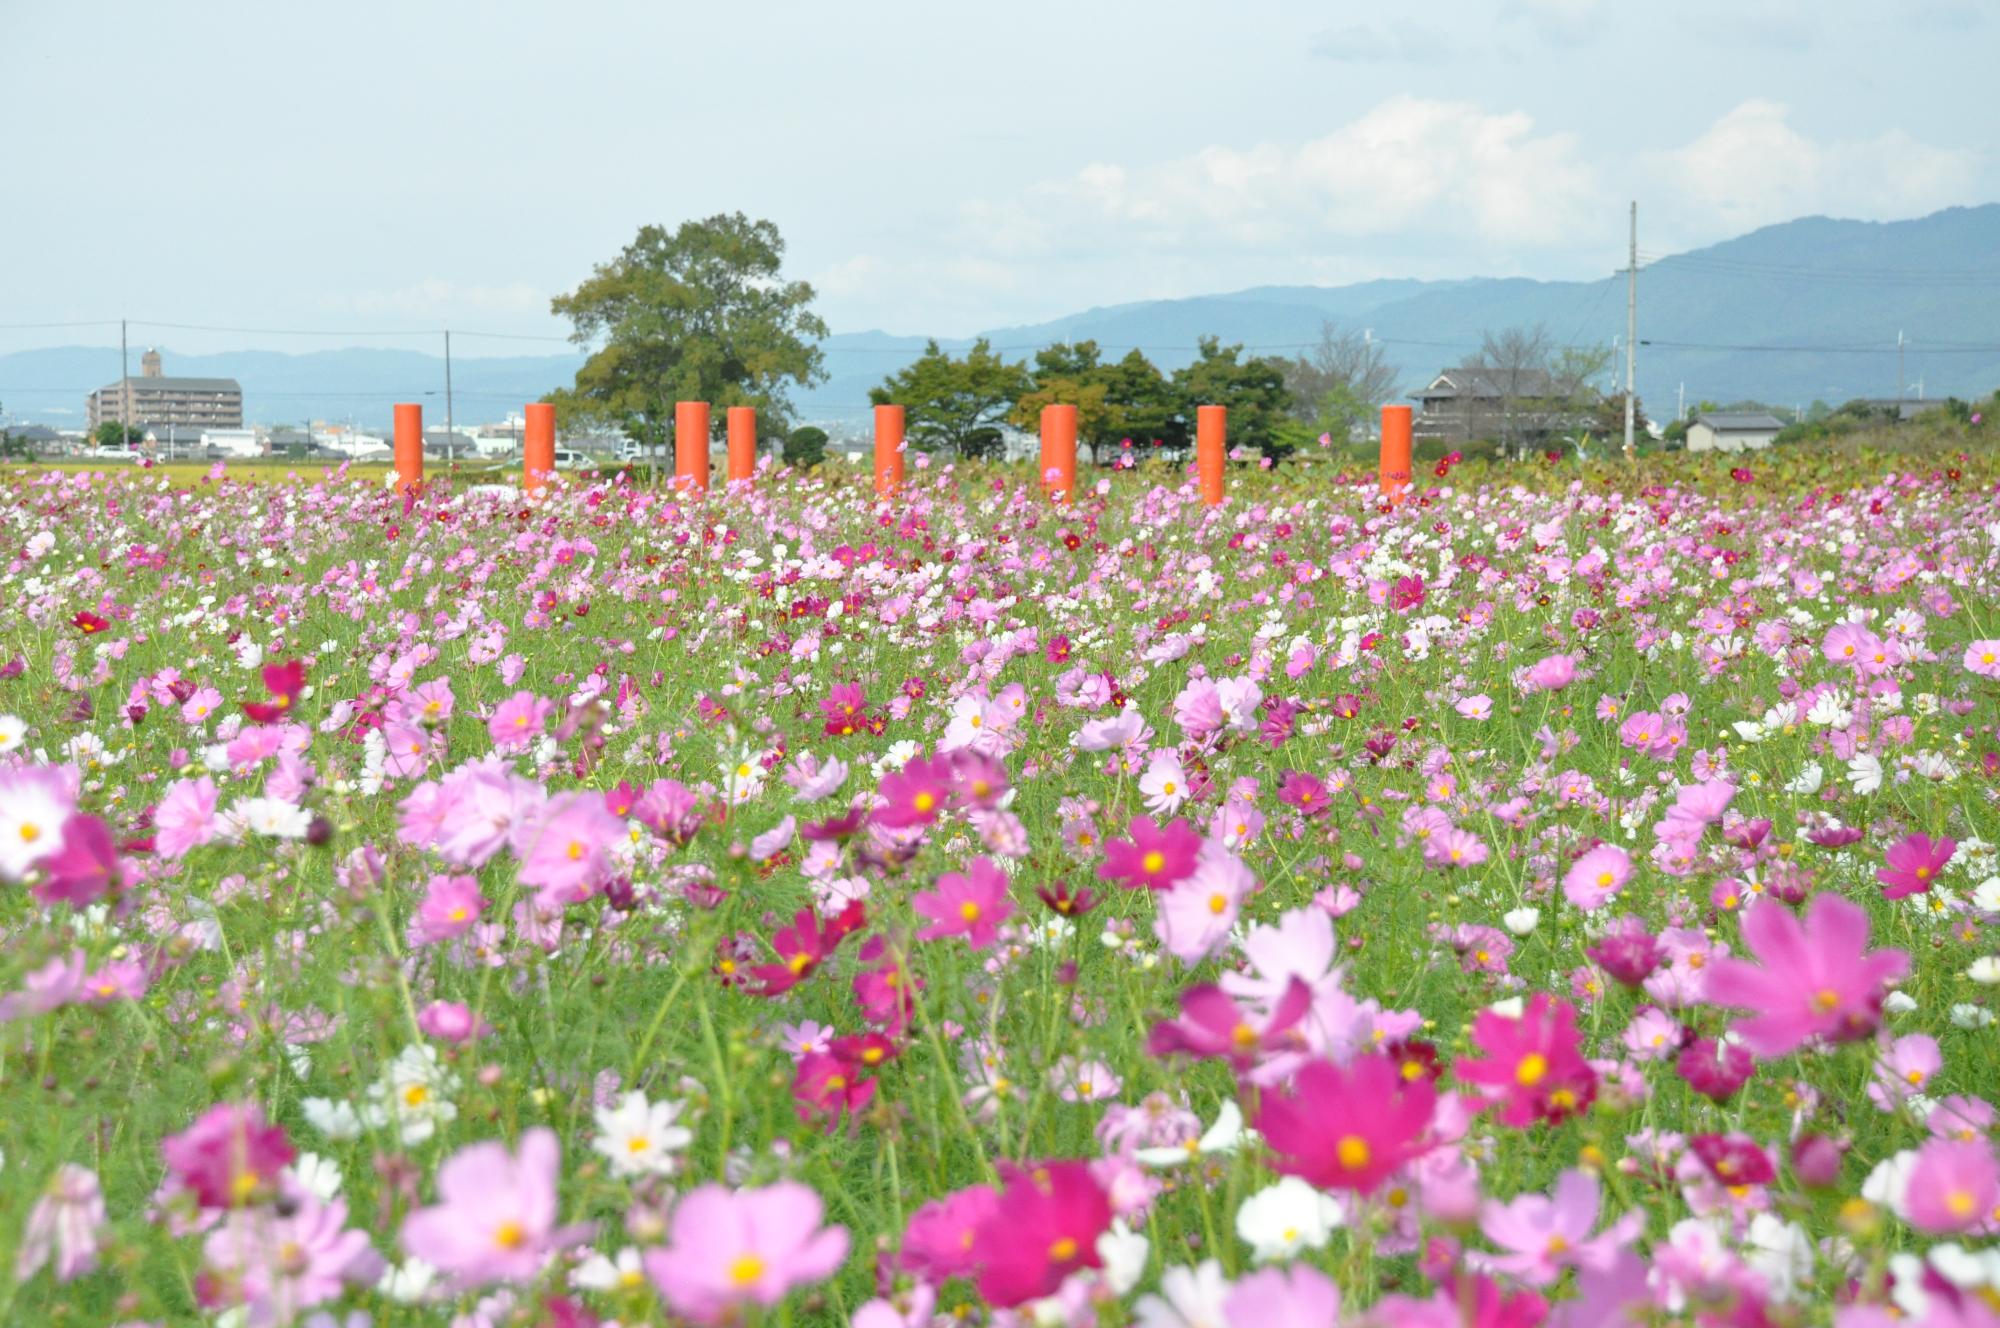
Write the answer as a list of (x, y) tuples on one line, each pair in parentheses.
[(1930, 348)]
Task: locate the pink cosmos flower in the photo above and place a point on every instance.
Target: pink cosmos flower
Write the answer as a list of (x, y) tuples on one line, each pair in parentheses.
[(1282, 1298), (1156, 857), (563, 850), (1043, 1228), (496, 1216), (1551, 674), (50, 987), (1534, 1066), (1452, 847), (1542, 1236), (729, 1249), (85, 869), (276, 1265), (971, 906), (1212, 1025), (1913, 865), (1903, 1069), (940, 1238), (1348, 1128), (519, 720), (63, 1226), (915, 795), (1954, 1186), (1815, 980), (1197, 914), (1594, 879), (1305, 792), (451, 1021), (1983, 657), (229, 1156), (185, 818), (451, 907)]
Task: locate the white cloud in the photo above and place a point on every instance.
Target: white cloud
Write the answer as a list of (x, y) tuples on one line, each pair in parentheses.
[(1410, 163), (1376, 43), (1752, 168)]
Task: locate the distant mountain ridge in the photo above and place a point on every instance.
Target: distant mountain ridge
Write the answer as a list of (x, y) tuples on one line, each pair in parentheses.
[(1832, 295)]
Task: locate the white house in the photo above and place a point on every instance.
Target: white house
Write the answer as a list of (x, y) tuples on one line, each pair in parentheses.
[(232, 442), (1732, 431)]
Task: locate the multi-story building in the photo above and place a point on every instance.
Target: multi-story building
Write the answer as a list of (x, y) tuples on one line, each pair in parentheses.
[(155, 399)]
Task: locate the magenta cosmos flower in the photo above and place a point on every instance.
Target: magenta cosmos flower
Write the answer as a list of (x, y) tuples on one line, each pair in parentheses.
[(731, 1248), (1348, 1128), (1156, 857), (229, 1156), (1913, 865), (1815, 980), (1543, 1235), (1043, 1228), (971, 906), (1534, 1067), (496, 1216), (914, 795)]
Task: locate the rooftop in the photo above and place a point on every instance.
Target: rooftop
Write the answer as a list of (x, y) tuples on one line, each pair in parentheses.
[(150, 385), (1740, 421)]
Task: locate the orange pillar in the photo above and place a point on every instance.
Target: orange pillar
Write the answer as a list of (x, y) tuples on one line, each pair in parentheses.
[(409, 445), (1059, 450), (742, 443), (538, 448), (888, 450), (1211, 441), (691, 446), (1397, 428)]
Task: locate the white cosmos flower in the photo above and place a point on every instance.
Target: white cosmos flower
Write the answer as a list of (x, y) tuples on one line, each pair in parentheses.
[(266, 816), (1189, 1298), (597, 1273), (1280, 1221), (333, 1118), (412, 1095), (320, 1176), (1521, 921), (1831, 710), (640, 1138), (1809, 779), (31, 822), (13, 732), (1985, 971), (1971, 1016), (1225, 1136), (1864, 773), (1122, 1252)]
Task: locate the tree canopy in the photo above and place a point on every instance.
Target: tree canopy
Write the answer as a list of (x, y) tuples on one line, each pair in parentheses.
[(954, 403), (701, 313)]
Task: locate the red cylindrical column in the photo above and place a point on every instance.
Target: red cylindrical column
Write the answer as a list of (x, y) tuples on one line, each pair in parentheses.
[(1398, 427), (1211, 444), (888, 450), (691, 446), (538, 448), (1059, 450), (742, 443), (409, 445)]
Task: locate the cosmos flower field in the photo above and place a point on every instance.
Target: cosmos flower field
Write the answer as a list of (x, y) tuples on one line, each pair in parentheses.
[(1568, 897)]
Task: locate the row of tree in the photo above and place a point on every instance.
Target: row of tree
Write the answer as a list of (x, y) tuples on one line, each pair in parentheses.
[(704, 313)]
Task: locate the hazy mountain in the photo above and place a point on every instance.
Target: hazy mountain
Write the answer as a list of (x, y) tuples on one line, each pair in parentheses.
[(1832, 295)]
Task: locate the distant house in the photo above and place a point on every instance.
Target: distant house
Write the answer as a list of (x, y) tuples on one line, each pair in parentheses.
[(1468, 402), (1732, 431), (1905, 409)]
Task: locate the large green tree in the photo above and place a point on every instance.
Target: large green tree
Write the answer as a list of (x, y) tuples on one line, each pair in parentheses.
[(1253, 390), (1128, 398), (954, 403), (701, 313)]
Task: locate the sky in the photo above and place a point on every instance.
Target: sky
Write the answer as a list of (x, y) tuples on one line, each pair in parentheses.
[(391, 168)]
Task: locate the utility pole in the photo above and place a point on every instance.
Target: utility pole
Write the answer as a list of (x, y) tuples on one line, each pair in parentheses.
[(124, 388), (1899, 372), (1681, 404), (450, 427), (1631, 325)]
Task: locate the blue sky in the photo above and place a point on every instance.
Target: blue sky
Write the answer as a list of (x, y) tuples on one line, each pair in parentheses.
[(934, 167)]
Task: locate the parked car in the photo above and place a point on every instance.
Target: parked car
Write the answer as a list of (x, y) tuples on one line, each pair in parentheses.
[(634, 454)]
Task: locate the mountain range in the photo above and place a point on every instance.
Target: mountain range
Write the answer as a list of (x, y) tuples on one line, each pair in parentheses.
[(1803, 310)]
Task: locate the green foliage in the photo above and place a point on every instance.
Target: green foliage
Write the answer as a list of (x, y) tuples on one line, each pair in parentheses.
[(698, 314), (113, 434), (954, 404), (805, 447)]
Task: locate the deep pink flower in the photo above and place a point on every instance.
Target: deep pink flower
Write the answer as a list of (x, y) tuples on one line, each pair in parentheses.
[(1627, 952), (1715, 1069), (451, 907), (495, 1219), (1304, 792), (804, 946), (1734, 1159), (830, 1086), (1211, 1024), (971, 906), (732, 1249), (284, 682), (1913, 865), (1044, 1227), (85, 869), (941, 1234), (229, 1156), (1534, 1067), (1348, 1128), (1157, 856), (1815, 980), (915, 795)]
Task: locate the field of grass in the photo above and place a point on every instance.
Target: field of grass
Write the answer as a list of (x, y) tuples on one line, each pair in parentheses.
[(789, 907)]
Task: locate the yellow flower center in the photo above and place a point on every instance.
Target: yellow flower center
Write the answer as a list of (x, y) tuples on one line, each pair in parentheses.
[(30, 832), (1244, 1036), (1352, 1150), (510, 1236), (416, 1095), (969, 911), (1534, 1067), (1154, 862), (745, 1269), (1218, 904), (638, 1143), (923, 802), (575, 850)]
